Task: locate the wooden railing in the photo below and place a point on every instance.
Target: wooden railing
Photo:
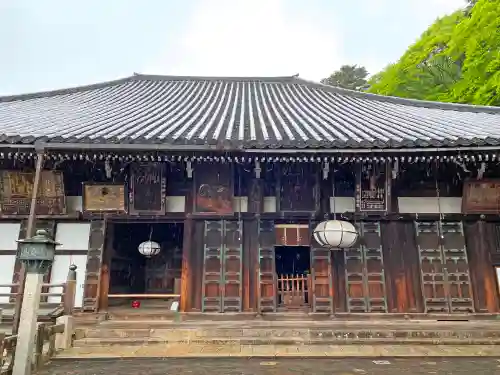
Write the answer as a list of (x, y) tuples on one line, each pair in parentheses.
[(45, 347), (65, 305), (293, 290)]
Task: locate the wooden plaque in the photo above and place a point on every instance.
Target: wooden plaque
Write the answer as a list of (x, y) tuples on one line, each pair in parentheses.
[(103, 197), (373, 188), (214, 190), (148, 185), (298, 188), (481, 197), (16, 189)]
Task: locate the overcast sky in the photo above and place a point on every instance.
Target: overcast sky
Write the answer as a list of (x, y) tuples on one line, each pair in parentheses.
[(48, 44)]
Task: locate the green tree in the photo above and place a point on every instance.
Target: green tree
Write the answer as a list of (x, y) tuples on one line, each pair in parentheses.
[(456, 60), (350, 77)]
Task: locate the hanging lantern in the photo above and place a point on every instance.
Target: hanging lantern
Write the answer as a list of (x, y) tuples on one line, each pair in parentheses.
[(149, 249), (335, 234)]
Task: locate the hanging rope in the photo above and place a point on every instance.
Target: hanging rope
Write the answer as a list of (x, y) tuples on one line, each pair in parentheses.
[(438, 194), (333, 193)]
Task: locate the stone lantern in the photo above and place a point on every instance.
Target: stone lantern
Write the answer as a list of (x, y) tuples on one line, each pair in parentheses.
[(37, 254)]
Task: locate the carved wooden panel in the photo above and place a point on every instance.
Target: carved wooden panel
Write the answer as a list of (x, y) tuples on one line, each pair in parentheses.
[(148, 184), (292, 235), (214, 189), (321, 278), (444, 267), (365, 275), (481, 197), (298, 187), (103, 197), (222, 269), (16, 189), (373, 188), (267, 267)]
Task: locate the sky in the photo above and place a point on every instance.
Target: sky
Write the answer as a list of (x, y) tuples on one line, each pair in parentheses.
[(51, 44)]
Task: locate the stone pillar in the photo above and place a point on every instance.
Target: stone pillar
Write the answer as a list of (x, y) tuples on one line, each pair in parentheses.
[(27, 330)]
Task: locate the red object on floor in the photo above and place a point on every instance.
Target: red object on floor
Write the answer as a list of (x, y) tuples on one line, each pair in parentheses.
[(136, 304)]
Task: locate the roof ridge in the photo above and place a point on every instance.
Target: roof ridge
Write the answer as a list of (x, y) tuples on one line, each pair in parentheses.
[(403, 101), (216, 78), (69, 90)]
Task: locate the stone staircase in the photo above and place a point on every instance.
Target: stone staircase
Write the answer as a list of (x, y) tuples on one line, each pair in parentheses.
[(173, 335)]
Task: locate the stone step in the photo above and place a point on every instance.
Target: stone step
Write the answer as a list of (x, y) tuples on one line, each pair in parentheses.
[(142, 322), (256, 341), (162, 350), (186, 333)]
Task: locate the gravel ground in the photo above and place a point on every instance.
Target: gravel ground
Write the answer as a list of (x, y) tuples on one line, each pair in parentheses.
[(280, 366)]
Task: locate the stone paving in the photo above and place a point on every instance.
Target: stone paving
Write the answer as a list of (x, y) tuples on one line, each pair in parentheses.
[(197, 350), (289, 366)]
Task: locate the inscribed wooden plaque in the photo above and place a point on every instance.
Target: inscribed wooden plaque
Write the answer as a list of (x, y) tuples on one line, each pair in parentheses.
[(373, 188), (148, 185), (103, 198), (16, 189), (482, 197), (297, 191), (214, 189)]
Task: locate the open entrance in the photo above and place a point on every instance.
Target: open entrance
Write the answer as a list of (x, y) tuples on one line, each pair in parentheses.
[(293, 267), (135, 279)]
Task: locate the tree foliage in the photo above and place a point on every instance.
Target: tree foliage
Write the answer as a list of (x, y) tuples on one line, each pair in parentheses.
[(350, 77), (456, 60)]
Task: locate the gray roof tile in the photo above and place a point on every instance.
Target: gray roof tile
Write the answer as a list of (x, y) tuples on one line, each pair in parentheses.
[(285, 112)]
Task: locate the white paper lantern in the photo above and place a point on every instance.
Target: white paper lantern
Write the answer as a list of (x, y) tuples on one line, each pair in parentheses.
[(149, 249), (335, 234)]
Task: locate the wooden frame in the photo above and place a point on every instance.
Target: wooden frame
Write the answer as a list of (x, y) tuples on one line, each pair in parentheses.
[(196, 189), (359, 191), (20, 203), (85, 199), (481, 203), (160, 168)]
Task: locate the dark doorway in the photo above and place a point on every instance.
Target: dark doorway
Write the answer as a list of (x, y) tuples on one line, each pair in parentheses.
[(293, 266), (292, 260), (133, 273)]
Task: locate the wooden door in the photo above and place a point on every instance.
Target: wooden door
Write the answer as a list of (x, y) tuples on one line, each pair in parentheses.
[(232, 267), (444, 267), (365, 276), (321, 289), (222, 267), (212, 267), (266, 281)]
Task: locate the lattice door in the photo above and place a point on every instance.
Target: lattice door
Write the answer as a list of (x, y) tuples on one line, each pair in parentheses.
[(444, 267), (365, 277), (267, 267), (222, 269), (321, 277), (232, 266)]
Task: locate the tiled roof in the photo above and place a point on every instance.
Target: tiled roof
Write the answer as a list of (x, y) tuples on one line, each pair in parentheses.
[(282, 112)]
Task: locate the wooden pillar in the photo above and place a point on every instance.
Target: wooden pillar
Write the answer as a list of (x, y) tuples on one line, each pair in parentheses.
[(480, 239), (251, 244), (19, 277), (187, 251)]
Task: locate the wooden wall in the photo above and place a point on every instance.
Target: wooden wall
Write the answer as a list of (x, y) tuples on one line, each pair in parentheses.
[(384, 273)]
